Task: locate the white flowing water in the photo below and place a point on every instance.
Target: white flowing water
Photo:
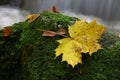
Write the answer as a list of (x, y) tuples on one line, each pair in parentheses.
[(9, 16), (106, 12), (106, 9), (110, 25)]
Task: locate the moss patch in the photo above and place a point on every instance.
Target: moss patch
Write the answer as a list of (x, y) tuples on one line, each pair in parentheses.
[(27, 55)]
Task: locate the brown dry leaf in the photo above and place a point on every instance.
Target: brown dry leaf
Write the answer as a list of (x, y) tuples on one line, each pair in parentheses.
[(7, 31), (49, 33), (32, 17), (60, 32), (54, 9)]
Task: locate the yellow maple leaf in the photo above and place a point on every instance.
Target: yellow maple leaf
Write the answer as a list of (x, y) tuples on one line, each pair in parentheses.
[(90, 30), (68, 48), (83, 39), (32, 17), (87, 34)]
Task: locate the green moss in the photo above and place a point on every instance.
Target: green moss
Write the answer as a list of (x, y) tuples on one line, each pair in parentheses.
[(10, 54), (34, 54)]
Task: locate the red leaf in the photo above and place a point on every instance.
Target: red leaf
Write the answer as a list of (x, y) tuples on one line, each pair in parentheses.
[(54, 9), (7, 31)]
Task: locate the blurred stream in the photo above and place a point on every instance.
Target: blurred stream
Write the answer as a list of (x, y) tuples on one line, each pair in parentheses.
[(106, 9), (106, 12), (9, 16), (11, 12)]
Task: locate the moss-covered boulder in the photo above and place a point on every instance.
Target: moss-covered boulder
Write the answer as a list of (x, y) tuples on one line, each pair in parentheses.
[(27, 55)]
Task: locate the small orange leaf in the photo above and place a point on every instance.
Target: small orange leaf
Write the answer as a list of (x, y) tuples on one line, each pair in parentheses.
[(32, 17), (54, 9), (49, 33), (7, 31)]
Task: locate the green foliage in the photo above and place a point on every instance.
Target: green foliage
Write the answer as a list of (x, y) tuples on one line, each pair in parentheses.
[(10, 54), (27, 55), (109, 39), (40, 62)]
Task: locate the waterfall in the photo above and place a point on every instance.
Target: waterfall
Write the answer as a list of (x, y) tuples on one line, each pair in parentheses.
[(107, 12), (11, 13), (9, 16), (113, 26), (106, 9)]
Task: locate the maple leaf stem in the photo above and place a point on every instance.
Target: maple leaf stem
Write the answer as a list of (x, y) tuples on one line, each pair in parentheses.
[(62, 35)]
